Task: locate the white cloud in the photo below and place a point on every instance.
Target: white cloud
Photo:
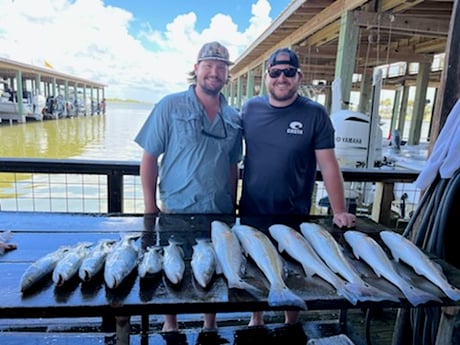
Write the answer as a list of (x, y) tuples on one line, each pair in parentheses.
[(85, 38)]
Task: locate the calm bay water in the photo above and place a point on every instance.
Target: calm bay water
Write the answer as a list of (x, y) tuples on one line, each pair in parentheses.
[(97, 137), (108, 137)]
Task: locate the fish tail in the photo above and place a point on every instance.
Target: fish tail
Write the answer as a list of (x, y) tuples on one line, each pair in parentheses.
[(285, 297)]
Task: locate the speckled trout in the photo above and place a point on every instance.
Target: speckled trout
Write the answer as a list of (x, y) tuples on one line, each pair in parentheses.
[(41, 268), (121, 260), (151, 262), (332, 254), (256, 244), (293, 243), (93, 263), (203, 261), (366, 248), (69, 264), (173, 262), (403, 249), (229, 254)]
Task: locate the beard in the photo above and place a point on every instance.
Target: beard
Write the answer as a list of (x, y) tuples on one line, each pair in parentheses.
[(282, 96), (211, 87)]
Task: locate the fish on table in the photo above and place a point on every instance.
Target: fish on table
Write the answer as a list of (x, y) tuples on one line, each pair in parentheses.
[(70, 263), (40, 268), (203, 262), (121, 260), (93, 263), (330, 251), (366, 248), (402, 249), (257, 245), (173, 261), (229, 255), (294, 244), (151, 262)]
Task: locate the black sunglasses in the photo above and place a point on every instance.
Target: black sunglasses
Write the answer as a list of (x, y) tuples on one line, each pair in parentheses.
[(212, 135), (288, 72)]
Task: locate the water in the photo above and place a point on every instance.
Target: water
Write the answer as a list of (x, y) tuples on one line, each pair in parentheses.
[(97, 137), (108, 137)]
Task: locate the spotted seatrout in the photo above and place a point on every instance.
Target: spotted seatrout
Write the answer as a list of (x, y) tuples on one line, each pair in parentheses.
[(93, 263), (173, 262), (121, 260), (70, 263), (151, 262), (366, 248), (203, 261), (41, 268), (256, 244), (403, 249)]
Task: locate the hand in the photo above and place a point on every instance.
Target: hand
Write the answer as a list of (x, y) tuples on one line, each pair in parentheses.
[(344, 220)]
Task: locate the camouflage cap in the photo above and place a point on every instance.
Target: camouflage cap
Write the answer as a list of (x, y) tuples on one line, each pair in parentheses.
[(214, 51)]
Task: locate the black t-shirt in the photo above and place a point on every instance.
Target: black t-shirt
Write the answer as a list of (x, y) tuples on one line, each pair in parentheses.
[(280, 162)]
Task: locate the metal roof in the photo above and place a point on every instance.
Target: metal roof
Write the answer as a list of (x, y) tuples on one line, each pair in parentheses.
[(8, 69)]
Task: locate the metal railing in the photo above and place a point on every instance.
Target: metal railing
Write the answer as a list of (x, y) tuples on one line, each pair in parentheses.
[(113, 181)]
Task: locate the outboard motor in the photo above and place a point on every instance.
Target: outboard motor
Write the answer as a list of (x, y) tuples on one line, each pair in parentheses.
[(352, 138)]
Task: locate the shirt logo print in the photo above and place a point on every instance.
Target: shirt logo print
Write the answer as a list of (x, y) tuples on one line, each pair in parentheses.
[(295, 127)]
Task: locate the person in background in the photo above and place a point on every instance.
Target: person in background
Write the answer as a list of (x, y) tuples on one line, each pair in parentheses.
[(192, 144), (286, 136)]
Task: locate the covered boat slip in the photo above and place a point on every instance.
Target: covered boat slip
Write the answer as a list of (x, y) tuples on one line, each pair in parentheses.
[(37, 234)]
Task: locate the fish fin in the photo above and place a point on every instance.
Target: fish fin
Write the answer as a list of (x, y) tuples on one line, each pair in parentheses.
[(307, 271), (241, 284), (418, 296), (285, 297), (348, 293), (366, 292), (281, 247), (218, 267)]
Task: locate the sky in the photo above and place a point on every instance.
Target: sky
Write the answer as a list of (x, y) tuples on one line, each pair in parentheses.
[(141, 49)]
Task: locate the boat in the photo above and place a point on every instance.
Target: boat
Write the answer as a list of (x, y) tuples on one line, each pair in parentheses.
[(32, 106)]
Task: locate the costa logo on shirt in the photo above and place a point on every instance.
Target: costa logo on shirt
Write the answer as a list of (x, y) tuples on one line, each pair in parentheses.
[(295, 127)]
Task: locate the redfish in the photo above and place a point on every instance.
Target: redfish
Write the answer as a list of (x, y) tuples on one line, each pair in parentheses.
[(256, 244)]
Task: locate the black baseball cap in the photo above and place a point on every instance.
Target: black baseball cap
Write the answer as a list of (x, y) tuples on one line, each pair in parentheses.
[(283, 56)]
